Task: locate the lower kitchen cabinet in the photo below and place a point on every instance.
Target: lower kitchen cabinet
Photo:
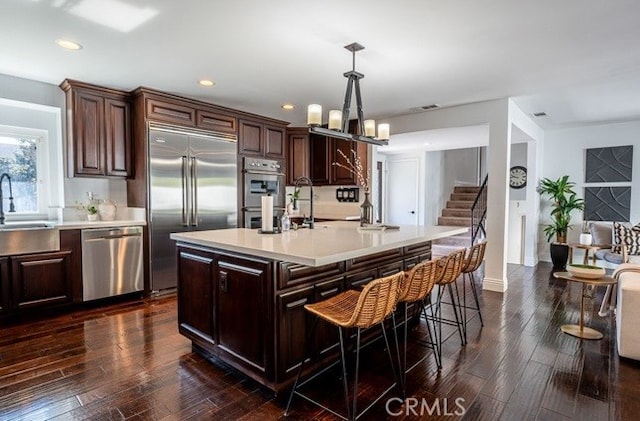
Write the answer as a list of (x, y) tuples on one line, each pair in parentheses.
[(293, 323), (196, 309), (4, 285), (223, 307), (42, 279)]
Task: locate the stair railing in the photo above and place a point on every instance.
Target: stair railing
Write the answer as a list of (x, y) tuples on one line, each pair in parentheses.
[(479, 212)]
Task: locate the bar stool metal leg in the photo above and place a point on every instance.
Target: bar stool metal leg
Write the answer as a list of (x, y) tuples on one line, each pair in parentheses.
[(307, 352)]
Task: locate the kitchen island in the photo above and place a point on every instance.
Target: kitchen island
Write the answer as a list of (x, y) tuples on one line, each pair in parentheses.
[(241, 294)]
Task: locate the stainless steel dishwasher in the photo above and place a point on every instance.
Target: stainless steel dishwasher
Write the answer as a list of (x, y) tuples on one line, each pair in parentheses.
[(111, 262)]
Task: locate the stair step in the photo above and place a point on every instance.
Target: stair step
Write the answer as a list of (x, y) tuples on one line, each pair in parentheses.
[(464, 213), (459, 204), (454, 221), (466, 189), (464, 196)]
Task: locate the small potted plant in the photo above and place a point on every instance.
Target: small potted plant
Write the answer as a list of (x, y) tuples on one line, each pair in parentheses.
[(564, 201), (294, 198), (92, 212)]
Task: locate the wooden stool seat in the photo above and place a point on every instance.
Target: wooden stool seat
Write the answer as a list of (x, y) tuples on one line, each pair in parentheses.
[(361, 310)]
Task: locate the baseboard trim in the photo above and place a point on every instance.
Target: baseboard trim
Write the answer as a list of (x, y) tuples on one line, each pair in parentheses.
[(495, 285), (530, 261)]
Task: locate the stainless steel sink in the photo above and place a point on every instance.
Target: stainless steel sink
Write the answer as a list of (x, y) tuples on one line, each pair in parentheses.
[(28, 237)]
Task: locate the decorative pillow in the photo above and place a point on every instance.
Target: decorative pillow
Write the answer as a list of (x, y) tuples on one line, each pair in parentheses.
[(601, 232), (628, 236)]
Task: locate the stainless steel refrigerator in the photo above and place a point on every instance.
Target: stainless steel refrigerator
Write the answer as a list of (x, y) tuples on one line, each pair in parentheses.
[(192, 187)]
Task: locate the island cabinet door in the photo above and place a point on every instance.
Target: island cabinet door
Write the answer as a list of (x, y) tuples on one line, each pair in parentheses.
[(244, 315), (196, 298), (326, 335), (294, 322)]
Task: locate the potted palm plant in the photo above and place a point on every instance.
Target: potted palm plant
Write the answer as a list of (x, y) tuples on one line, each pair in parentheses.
[(564, 201)]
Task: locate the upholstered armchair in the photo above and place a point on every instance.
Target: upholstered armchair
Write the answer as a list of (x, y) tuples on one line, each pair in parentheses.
[(612, 251)]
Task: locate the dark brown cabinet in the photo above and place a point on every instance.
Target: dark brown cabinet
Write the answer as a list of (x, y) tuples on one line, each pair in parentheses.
[(223, 307), (41, 280), (293, 322), (313, 155), (244, 318), (98, 130), (297, 154), (4, 285), (260, 139), (196, 299)]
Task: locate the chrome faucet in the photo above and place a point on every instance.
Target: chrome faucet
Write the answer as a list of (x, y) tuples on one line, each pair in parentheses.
[(12, 208), (307, 182)]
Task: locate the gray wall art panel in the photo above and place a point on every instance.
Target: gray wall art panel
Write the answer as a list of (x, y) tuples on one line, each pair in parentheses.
[(607, 203), (609, 164)]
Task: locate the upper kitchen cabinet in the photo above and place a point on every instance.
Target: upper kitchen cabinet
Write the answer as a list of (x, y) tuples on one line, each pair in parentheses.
[(259, 138), (313, 155), (297, 154), (98, 130), (170, 109)]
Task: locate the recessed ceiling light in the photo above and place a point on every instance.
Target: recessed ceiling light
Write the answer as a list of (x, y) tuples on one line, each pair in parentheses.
[(69, 45), (288, 106), (206, 82), (427, 144)]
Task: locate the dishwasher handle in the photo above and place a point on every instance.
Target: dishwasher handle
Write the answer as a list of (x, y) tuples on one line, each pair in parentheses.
[(113, 237)]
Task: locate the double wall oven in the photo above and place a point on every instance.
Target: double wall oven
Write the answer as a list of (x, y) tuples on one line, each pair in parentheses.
[(262, 177)]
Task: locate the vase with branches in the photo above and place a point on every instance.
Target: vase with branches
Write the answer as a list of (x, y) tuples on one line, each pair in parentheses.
[(354, 166)]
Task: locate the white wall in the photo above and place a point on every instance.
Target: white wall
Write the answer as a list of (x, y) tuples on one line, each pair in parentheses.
[(436, 195), (496, 114), (564, 152)]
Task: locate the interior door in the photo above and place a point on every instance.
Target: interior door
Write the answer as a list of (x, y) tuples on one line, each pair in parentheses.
[(402, 191), (214, 183), (168, 165)]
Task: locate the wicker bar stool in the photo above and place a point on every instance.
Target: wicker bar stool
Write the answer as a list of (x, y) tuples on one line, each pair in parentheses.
[(360, 310), (416, 287), (472, 262), (448, 269)]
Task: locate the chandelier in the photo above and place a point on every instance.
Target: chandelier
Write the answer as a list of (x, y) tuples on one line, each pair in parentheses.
[(339, 119)]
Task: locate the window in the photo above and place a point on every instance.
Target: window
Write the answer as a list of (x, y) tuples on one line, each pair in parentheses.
[(23, 158)]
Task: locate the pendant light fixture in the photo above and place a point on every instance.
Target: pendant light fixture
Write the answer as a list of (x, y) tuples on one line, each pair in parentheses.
[(339, 119)]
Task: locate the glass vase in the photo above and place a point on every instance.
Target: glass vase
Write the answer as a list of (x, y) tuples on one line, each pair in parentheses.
[(366, 210)]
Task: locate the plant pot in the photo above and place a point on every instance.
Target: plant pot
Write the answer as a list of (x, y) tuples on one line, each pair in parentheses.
[(559, 254), (92, 217), (586, 239)]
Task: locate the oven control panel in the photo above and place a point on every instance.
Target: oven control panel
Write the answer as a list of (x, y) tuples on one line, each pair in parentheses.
[(257, 164)]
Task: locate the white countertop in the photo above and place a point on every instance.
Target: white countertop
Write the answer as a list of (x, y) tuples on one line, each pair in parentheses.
[(329, 242), (98, 224)]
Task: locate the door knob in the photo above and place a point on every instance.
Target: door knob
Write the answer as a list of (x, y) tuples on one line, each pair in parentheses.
[(412, 212)]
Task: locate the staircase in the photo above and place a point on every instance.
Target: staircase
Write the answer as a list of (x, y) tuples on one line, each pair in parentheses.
[(456, 213)]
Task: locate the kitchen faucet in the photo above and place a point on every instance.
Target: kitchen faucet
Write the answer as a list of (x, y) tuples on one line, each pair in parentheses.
[(307, 182), (12, 208)]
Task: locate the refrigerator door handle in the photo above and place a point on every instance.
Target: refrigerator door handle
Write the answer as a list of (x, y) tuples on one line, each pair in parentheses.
[(194, 192), (185, 215)]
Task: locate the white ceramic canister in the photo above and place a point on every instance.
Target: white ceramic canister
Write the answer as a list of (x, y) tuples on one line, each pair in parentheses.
[(107, 210)]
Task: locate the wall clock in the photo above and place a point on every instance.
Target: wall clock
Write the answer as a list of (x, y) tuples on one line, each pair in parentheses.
[(517, 177)]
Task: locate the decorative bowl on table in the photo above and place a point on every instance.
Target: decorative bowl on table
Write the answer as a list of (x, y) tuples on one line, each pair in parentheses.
[(585, 271)]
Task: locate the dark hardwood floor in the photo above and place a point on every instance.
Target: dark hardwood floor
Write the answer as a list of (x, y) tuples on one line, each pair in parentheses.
[(127, 361)]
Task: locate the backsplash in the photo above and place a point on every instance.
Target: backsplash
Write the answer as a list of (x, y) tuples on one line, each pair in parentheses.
[(325, 203)]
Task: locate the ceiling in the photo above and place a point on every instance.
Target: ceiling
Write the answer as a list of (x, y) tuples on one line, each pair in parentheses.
[(576, 60)]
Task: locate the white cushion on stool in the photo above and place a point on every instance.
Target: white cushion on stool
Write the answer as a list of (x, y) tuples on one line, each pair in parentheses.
[(628, 314)]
